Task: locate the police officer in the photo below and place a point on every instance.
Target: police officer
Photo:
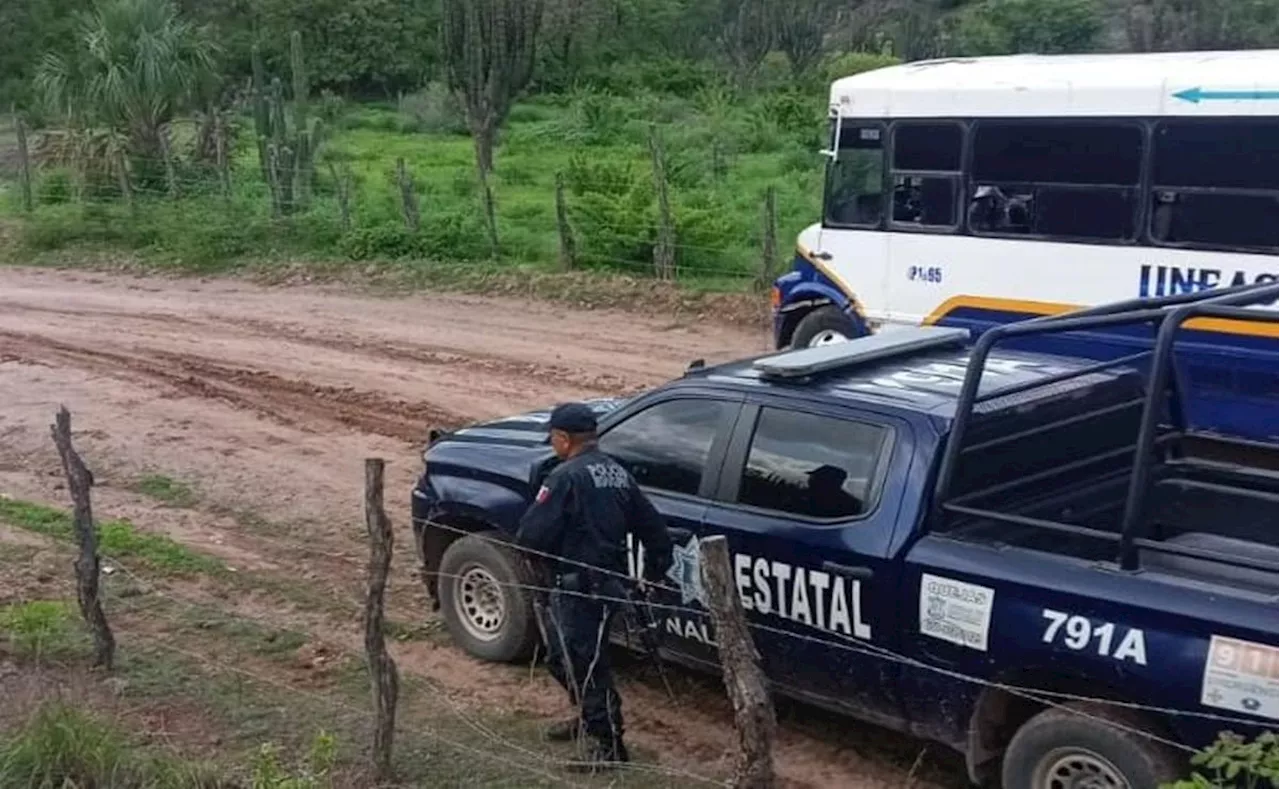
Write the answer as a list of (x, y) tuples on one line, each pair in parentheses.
[(582, 514)]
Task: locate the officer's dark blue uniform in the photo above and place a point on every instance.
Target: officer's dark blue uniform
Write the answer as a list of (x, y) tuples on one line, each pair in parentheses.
[(583, 513)]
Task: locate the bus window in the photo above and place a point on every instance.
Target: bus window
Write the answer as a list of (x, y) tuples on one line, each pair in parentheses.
[(1214, 184), (926, 174), (855, 179), (1064, 180)]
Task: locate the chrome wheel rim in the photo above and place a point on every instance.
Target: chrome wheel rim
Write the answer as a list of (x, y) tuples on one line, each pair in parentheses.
[(827, 337), (479, 602), (1077, 768)]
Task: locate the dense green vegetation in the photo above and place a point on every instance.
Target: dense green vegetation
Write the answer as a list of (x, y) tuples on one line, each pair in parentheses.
[(136, 104)]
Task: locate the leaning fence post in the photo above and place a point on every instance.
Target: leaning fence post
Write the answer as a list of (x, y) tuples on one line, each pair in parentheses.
[(382, 669), (752, 708), (79, 480), (24, 163)]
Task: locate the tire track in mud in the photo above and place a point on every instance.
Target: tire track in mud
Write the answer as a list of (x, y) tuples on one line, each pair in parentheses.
[(418, 354), (291, 402)]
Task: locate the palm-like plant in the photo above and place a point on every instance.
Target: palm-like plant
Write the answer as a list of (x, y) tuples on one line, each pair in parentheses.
[(133, 66)]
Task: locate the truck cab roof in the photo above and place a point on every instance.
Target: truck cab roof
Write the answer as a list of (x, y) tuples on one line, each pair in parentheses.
[(917, 370)]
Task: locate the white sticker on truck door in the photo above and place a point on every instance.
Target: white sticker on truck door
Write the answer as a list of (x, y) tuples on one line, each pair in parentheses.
[(1241, 676), (956, 611)]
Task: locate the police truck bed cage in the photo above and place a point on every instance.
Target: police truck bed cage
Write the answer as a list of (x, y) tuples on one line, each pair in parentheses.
[(965, 498)]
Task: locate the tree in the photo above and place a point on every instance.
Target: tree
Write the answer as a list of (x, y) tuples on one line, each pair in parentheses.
[(746, 35), (1172, 25), (1001, 27), (801, 31), (489, 48), (133, 65)]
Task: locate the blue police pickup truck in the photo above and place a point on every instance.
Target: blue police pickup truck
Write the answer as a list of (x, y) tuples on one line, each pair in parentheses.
[(1014, 554)]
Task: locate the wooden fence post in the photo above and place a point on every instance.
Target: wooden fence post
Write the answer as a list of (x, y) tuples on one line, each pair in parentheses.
[(122, 177), (664, 250), (769, 244), (24, 163), (382, 669), (342, 187), (752, 708), (490, 212), (170, 172), (79, 480), (273, 180), (568, 249), (220, 153), (408, 200)]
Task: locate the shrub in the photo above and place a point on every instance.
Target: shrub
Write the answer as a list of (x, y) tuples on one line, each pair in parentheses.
[(54, 186), (433, 109), (1230, 761), (846, 64)]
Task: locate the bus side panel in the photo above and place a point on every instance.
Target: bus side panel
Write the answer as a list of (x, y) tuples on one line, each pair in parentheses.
[(1230, 379)]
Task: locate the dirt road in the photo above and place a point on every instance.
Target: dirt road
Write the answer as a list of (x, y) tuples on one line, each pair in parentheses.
[(268, 399)]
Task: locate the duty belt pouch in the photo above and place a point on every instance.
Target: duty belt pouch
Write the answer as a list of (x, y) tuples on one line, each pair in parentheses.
[(574, 582)]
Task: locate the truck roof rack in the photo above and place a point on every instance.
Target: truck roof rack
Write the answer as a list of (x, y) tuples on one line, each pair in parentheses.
[(1165, 316), (863, 350)]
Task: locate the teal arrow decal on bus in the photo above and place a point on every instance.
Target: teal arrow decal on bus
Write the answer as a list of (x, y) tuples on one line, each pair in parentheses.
[(1197, 95)]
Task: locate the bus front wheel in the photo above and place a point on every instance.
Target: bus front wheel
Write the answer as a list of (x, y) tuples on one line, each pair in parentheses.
[(823, 326)]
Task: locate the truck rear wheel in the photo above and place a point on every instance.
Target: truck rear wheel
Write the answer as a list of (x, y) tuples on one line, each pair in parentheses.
[(823, 326), (1060, 748), (485, 599)]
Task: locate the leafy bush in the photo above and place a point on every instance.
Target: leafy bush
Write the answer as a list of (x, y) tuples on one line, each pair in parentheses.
[(846, 64), (449, 235), (433, 109), (54, 186), (1230, 761)]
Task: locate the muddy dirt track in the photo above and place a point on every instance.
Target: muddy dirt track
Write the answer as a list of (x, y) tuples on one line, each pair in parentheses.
[(267, 400)]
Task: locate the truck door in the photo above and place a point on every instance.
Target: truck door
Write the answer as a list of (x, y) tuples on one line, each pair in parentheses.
[(809, 500), (673, 447)]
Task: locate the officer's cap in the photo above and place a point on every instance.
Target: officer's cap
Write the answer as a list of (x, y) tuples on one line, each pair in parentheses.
[(573, 418)]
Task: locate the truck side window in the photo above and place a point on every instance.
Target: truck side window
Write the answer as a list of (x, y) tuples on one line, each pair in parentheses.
[(666, 446), (1226, 201), (855, 179), (813, 466)]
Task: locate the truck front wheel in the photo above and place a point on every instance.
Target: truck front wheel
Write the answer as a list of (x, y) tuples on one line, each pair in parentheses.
[(486, 600), (823, 326), (1082, 745)]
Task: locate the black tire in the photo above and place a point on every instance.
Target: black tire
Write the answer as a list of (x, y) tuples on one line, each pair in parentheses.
[(507, 635), (1063, 739), (823, 319)]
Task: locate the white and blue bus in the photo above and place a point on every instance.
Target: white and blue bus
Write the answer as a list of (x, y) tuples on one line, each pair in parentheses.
[(975, 191)]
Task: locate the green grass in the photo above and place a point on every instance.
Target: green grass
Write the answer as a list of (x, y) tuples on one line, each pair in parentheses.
[(62, 746), (168, 490), (722, 155), (117, 539), (41, 629)]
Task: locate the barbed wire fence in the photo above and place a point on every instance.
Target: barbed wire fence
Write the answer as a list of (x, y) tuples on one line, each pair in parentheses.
[(58, 169), (512, 753)]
